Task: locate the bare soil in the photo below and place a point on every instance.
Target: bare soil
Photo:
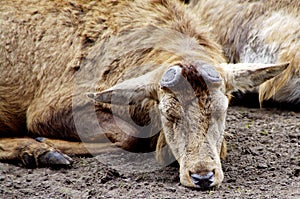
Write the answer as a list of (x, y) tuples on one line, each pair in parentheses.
[(263, 162)]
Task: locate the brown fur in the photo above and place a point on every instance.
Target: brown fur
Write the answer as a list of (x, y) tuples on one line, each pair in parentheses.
[(38, 100), (56, 55)]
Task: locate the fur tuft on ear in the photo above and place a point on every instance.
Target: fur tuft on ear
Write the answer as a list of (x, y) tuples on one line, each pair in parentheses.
[(223, 152), (163, 153)]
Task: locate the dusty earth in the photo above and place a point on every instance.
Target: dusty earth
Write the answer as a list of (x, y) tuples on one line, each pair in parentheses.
[(263, 162)]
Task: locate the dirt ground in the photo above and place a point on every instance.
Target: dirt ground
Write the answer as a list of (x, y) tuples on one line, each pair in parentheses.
[(263, 162)]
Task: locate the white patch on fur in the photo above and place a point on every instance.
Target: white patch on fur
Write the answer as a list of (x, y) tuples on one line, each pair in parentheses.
[(262, 53), (290, 92), (267, 37), (257, 51)]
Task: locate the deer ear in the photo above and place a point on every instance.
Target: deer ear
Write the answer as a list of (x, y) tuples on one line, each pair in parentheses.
[(246, 76), (131, 91), (125, 96)]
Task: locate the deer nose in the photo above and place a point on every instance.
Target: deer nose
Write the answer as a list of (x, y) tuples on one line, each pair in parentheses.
[(203, 181)]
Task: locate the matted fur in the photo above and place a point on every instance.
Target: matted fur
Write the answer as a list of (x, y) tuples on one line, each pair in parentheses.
[(262, 32)]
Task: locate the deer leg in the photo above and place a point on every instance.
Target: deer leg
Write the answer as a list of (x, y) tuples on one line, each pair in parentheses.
[(78, 132), (41, 152), (31, 153), (79, 148)]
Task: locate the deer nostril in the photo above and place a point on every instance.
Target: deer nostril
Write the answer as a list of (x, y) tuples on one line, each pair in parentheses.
[(203, 181)]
